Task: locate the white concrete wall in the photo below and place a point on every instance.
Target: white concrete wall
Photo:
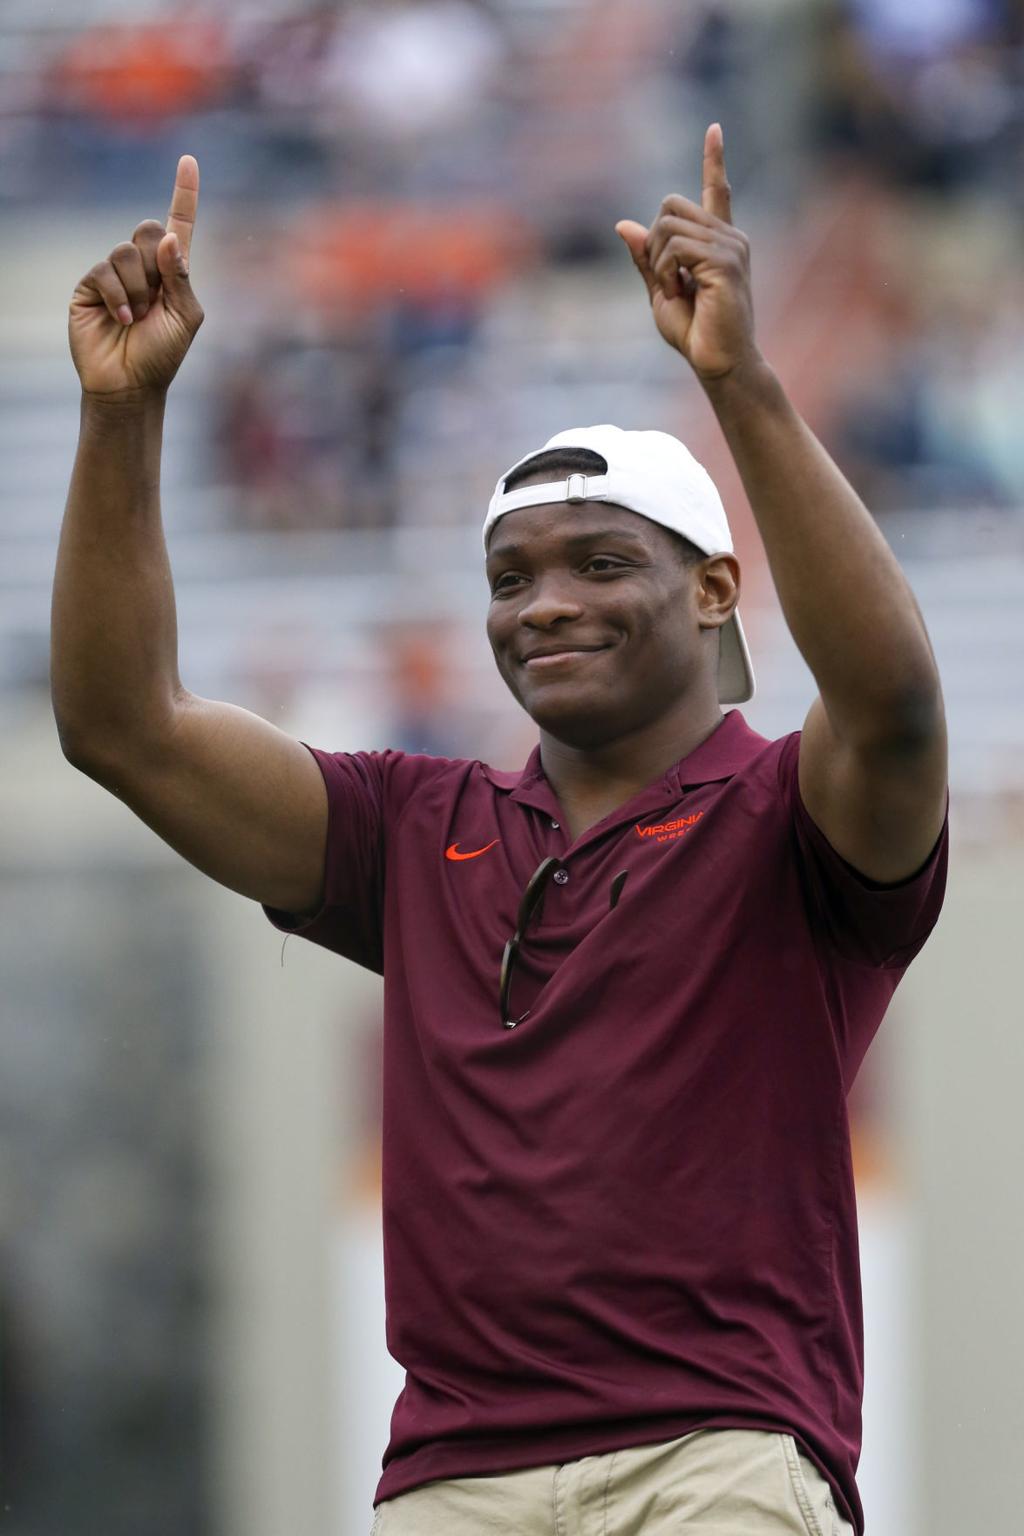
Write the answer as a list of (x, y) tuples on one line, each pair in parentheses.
[(963, 1073)]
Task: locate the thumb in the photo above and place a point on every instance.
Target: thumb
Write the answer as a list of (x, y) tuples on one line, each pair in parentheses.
[(634, 237), (174, 273)]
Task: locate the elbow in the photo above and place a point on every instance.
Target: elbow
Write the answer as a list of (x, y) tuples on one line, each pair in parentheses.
[(899, 721), (87, 748), (72, 733), (111, 750), (922, 713), (69, 735), (80, 750), (911, 722)]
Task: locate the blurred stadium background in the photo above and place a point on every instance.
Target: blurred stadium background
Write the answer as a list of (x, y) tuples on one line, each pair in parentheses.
[(406, 256)]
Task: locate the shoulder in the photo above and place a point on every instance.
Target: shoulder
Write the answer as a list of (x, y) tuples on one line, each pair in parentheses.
[(394, 779)]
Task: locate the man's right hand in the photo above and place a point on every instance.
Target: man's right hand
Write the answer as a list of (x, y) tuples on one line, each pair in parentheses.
[(133, 316)]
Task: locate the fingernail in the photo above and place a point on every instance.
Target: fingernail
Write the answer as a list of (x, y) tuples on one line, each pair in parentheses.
[(124, 314)]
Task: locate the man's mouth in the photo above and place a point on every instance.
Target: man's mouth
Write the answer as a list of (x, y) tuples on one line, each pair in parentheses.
[(538, 661)]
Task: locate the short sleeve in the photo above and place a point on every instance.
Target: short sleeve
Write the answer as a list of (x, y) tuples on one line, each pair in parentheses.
[(883, 926), (349, 921)]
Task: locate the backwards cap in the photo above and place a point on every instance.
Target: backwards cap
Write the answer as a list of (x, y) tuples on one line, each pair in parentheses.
[(656, 475)]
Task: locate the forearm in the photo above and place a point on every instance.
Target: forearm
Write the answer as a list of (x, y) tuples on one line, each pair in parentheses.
[(845, 599), (114, 669)]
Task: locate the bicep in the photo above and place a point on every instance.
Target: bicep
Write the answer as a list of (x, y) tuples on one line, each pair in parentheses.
[(881, 806), (241, 800)]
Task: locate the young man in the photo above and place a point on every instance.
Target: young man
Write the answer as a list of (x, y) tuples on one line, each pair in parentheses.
[(626, 990)]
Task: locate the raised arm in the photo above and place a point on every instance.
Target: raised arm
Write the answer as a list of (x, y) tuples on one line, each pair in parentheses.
[(235, 796), (873, 754)]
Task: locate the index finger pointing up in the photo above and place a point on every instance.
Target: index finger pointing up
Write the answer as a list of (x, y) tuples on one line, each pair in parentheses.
[(716, 194), (181, 217)]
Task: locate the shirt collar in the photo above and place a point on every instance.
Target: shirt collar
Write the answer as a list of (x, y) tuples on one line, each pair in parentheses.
[(729, 748)]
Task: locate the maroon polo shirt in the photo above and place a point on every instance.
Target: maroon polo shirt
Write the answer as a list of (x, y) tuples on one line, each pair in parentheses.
[(631, 1216)]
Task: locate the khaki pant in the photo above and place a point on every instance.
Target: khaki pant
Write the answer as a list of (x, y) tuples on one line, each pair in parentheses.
[(714, 1482)]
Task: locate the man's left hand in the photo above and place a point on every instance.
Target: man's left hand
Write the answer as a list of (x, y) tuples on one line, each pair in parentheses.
[(696, 265)]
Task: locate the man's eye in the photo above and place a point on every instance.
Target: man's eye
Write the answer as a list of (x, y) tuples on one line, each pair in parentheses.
[(604, 563), (505, 582)]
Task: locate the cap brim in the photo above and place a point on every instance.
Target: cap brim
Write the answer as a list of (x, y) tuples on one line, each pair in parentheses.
[(736, 683)]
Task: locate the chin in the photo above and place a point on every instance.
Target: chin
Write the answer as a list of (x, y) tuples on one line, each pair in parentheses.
[(578, 724)]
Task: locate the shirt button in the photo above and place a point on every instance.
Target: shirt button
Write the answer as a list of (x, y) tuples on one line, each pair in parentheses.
[(556, 825), (561, 877)]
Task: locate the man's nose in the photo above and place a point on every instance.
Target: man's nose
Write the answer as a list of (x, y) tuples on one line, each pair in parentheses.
[(550, 600)]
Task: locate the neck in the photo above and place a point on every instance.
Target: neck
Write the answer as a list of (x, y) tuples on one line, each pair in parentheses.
[(591, 782)]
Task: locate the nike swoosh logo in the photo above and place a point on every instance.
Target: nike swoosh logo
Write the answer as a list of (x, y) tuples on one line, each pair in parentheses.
[(452, 852)]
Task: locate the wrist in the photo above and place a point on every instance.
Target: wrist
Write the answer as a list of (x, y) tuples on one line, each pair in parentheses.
[(751, 381), (126, 411), (127, 402)]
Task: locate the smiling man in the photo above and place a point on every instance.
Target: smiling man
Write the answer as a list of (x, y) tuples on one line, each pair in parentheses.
[(597, 622), (627, 989)]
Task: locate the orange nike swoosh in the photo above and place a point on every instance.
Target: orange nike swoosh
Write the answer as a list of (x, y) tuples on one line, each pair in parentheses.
[(452, 852)]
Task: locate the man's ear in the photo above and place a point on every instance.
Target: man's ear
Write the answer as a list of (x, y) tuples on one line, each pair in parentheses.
[(718, 589)]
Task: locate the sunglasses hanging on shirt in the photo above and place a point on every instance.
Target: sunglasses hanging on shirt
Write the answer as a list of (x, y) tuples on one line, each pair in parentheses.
[(533, 898)]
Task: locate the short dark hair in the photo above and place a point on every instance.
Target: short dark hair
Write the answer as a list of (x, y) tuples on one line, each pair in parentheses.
[(584, 461)]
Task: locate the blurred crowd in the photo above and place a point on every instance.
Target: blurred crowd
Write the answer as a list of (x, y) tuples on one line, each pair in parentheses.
[(927, 101), (428, 158)]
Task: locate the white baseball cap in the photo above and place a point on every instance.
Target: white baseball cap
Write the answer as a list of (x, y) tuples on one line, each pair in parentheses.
[(656, 475)]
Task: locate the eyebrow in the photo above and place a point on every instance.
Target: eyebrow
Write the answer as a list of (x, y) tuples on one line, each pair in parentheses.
[(574, 542)]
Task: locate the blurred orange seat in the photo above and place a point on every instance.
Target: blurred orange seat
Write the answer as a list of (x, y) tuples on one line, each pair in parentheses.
[(365, 253), (142, 73)]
